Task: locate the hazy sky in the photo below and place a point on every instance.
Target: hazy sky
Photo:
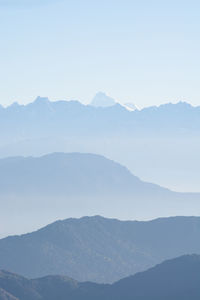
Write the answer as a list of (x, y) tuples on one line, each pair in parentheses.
[(147, 52)]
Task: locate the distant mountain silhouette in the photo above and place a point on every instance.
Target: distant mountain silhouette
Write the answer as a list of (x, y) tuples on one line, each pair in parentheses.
[(152, 142), (61, 185), (102, 100), (99, 249), (73, 174), (176, 279), (42, 118)]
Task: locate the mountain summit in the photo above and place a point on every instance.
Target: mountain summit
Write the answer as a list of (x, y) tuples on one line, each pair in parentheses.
[(102, 100)]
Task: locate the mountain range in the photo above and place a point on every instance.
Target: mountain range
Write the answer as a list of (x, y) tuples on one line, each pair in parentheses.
[(42, 118), (181, 118), (36, 190), (176, 279), (99, 249), (152, 142)]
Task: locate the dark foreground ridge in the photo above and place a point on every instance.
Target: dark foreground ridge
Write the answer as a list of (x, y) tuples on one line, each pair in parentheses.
[(99, 249), (176, 279)]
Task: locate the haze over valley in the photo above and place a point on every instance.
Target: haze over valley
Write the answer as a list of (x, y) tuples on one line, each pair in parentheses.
[(42, 182), (158, 144), (36, 191), (99, 150)]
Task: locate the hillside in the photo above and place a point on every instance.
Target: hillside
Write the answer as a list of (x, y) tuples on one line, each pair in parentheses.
[(70, 174), (177, 279), (99, 249)]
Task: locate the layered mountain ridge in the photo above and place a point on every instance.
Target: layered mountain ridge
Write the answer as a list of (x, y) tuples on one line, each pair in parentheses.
[(176, 279), (37, 190), (146, 141), (99, 249)]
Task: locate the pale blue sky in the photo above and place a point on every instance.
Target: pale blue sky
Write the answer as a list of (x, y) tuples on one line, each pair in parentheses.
[(147, 52)]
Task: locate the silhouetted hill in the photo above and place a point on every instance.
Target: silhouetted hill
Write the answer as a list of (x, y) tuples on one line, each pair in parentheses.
[(99, 249), (18, 286), (70, 174), (176, 279), (61, 185)]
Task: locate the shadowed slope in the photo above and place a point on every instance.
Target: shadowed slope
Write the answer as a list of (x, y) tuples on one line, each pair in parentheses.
[(177, 279), (99, 249)]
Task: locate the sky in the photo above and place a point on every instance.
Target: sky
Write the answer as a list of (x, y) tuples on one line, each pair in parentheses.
[(145, 52)]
